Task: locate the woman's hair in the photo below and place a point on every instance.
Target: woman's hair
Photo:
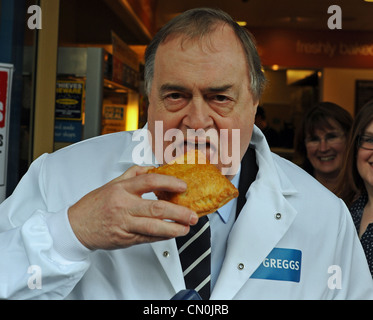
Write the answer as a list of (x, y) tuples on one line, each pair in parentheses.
[(320, 117), (197, 23), (351, 185)]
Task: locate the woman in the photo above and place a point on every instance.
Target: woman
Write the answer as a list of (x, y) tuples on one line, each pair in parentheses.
[(356, 180), (321, 141)]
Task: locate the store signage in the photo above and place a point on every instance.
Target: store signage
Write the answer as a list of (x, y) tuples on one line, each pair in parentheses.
[(113, 118), (315, 49), (6, 74), (67, 131), (69, 111), (69, 99)]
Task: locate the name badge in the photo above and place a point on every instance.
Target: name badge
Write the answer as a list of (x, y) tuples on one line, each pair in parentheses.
[(281, 264)]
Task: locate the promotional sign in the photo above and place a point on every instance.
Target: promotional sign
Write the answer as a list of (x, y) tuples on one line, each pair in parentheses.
[(69, 100), (113, 118), (67, 131), (314, 48), (69, 110), (6, 74)]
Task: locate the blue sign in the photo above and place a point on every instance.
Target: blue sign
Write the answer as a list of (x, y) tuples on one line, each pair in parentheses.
[(67, 131), (281, 264)]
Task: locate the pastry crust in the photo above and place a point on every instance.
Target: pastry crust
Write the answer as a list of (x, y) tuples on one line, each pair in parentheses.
[(207, 189)]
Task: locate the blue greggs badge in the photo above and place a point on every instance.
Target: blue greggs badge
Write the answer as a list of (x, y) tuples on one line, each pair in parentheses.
[(281, 264)]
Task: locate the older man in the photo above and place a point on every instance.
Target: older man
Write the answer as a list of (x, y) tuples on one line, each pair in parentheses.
[(292, 239)]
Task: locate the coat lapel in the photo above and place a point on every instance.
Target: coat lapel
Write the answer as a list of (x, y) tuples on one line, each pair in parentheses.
[(254, 235), (168, 257), (263, 221)]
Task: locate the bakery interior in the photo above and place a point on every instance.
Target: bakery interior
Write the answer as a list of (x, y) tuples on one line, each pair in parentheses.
[(95, 50)]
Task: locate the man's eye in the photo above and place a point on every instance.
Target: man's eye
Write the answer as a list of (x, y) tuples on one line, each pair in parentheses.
[(174, 96), (221, 98)]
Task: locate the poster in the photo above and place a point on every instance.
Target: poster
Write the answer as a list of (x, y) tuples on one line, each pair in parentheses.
[(113, 118), (67, 131), (69, 110), (69, 100), (6, 76)]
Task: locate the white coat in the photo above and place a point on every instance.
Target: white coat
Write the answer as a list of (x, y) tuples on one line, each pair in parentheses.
[(297, 234)]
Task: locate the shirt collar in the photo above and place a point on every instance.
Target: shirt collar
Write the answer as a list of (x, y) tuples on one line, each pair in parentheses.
[(225, 211)]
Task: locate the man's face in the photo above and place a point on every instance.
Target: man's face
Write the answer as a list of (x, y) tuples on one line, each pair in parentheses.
[(203, 84)]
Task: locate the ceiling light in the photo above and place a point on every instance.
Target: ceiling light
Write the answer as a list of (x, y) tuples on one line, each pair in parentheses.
[(275, 67)]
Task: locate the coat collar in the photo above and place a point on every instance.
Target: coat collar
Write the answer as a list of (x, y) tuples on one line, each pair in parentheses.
[(265, 159)]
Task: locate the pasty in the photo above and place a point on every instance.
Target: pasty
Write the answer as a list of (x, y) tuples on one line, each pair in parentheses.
[(207, 189)]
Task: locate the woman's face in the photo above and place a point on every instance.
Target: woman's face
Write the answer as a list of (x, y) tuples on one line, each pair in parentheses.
[(364, 160), (325, 149)]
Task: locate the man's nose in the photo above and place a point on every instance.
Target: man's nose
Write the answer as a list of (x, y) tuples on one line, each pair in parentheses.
[(198, 115)]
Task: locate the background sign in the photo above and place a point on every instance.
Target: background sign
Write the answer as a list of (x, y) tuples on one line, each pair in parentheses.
[(67, 131), (6, 74), (69, 99), (70, 95), (314, 48), (113, 118)]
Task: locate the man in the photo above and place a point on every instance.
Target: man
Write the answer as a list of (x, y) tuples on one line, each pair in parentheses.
[(261, 122), (291, 240)]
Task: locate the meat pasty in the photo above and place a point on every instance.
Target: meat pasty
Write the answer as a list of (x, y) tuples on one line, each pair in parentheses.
[(207, 189)]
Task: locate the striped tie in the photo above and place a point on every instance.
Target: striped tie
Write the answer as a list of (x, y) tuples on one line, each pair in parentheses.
[(195, 257)]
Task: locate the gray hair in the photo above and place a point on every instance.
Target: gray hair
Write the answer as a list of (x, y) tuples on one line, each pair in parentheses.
[(196, 23)]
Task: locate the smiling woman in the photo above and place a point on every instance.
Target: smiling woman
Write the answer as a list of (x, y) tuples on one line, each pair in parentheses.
[(355, 185), (321, 141)]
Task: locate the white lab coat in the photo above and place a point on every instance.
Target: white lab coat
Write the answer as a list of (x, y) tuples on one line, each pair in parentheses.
[(286, 208)]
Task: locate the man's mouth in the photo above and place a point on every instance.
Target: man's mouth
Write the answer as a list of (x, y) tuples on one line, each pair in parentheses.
[(204, 146)]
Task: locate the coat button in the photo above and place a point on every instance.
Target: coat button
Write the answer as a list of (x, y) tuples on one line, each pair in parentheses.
[(166, 254), (278, 216), (241, 266)]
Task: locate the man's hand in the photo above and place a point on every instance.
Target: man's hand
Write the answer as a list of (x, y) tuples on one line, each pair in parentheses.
[(115, 216)]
